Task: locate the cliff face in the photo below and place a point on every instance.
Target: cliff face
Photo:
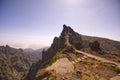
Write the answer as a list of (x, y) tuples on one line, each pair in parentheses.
[(52, 50), (69, 37), (73, 37)]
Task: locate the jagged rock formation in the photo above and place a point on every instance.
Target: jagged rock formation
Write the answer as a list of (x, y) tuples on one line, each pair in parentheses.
[(74, 38), (95, 46), (67, 37)]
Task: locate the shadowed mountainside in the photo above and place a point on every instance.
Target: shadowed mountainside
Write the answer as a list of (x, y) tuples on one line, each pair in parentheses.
[(14, 63)]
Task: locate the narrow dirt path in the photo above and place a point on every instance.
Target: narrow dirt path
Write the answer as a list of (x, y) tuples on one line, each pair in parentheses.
[(117, 77), (99, 58)]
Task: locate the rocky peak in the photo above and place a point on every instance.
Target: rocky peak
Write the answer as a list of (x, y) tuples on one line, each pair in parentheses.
[(7, 46), (67, 30), (5, 49), (72, 37), (68, 37)]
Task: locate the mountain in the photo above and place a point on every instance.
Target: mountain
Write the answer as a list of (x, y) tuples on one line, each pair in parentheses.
[(14, 63), (36, 54), (73, 56), (29, 50)]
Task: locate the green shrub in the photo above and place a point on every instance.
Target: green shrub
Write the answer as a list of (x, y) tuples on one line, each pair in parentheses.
[(117, 69), (52, 78), (51, 61)]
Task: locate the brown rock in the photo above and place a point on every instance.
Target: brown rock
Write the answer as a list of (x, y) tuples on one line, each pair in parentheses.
[(95, 46)]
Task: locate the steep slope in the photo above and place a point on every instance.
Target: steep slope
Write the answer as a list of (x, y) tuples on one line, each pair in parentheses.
[(63, 60), (14, 63), (61, 42)]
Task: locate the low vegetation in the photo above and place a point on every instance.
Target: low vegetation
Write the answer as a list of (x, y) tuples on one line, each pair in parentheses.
[(52, 78), (117, 69), (54, 58)]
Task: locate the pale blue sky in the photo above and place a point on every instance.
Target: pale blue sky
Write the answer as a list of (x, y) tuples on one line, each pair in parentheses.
[(34, 23)]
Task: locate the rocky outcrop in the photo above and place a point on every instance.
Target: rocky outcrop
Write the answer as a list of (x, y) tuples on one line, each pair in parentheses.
[(95, 46), (5, 49), (62, 68), (68, 36), (74, 38)]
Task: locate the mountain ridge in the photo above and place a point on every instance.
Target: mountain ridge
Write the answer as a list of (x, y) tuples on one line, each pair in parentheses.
[(65, 46)]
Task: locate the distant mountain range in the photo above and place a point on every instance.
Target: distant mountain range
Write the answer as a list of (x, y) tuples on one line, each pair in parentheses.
[(15, 63), (37, 54)]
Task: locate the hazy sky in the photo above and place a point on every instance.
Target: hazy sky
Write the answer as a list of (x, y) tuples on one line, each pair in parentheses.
[(34, 23)]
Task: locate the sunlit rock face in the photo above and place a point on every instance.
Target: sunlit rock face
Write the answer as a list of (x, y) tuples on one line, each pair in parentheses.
[(62, 68)]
